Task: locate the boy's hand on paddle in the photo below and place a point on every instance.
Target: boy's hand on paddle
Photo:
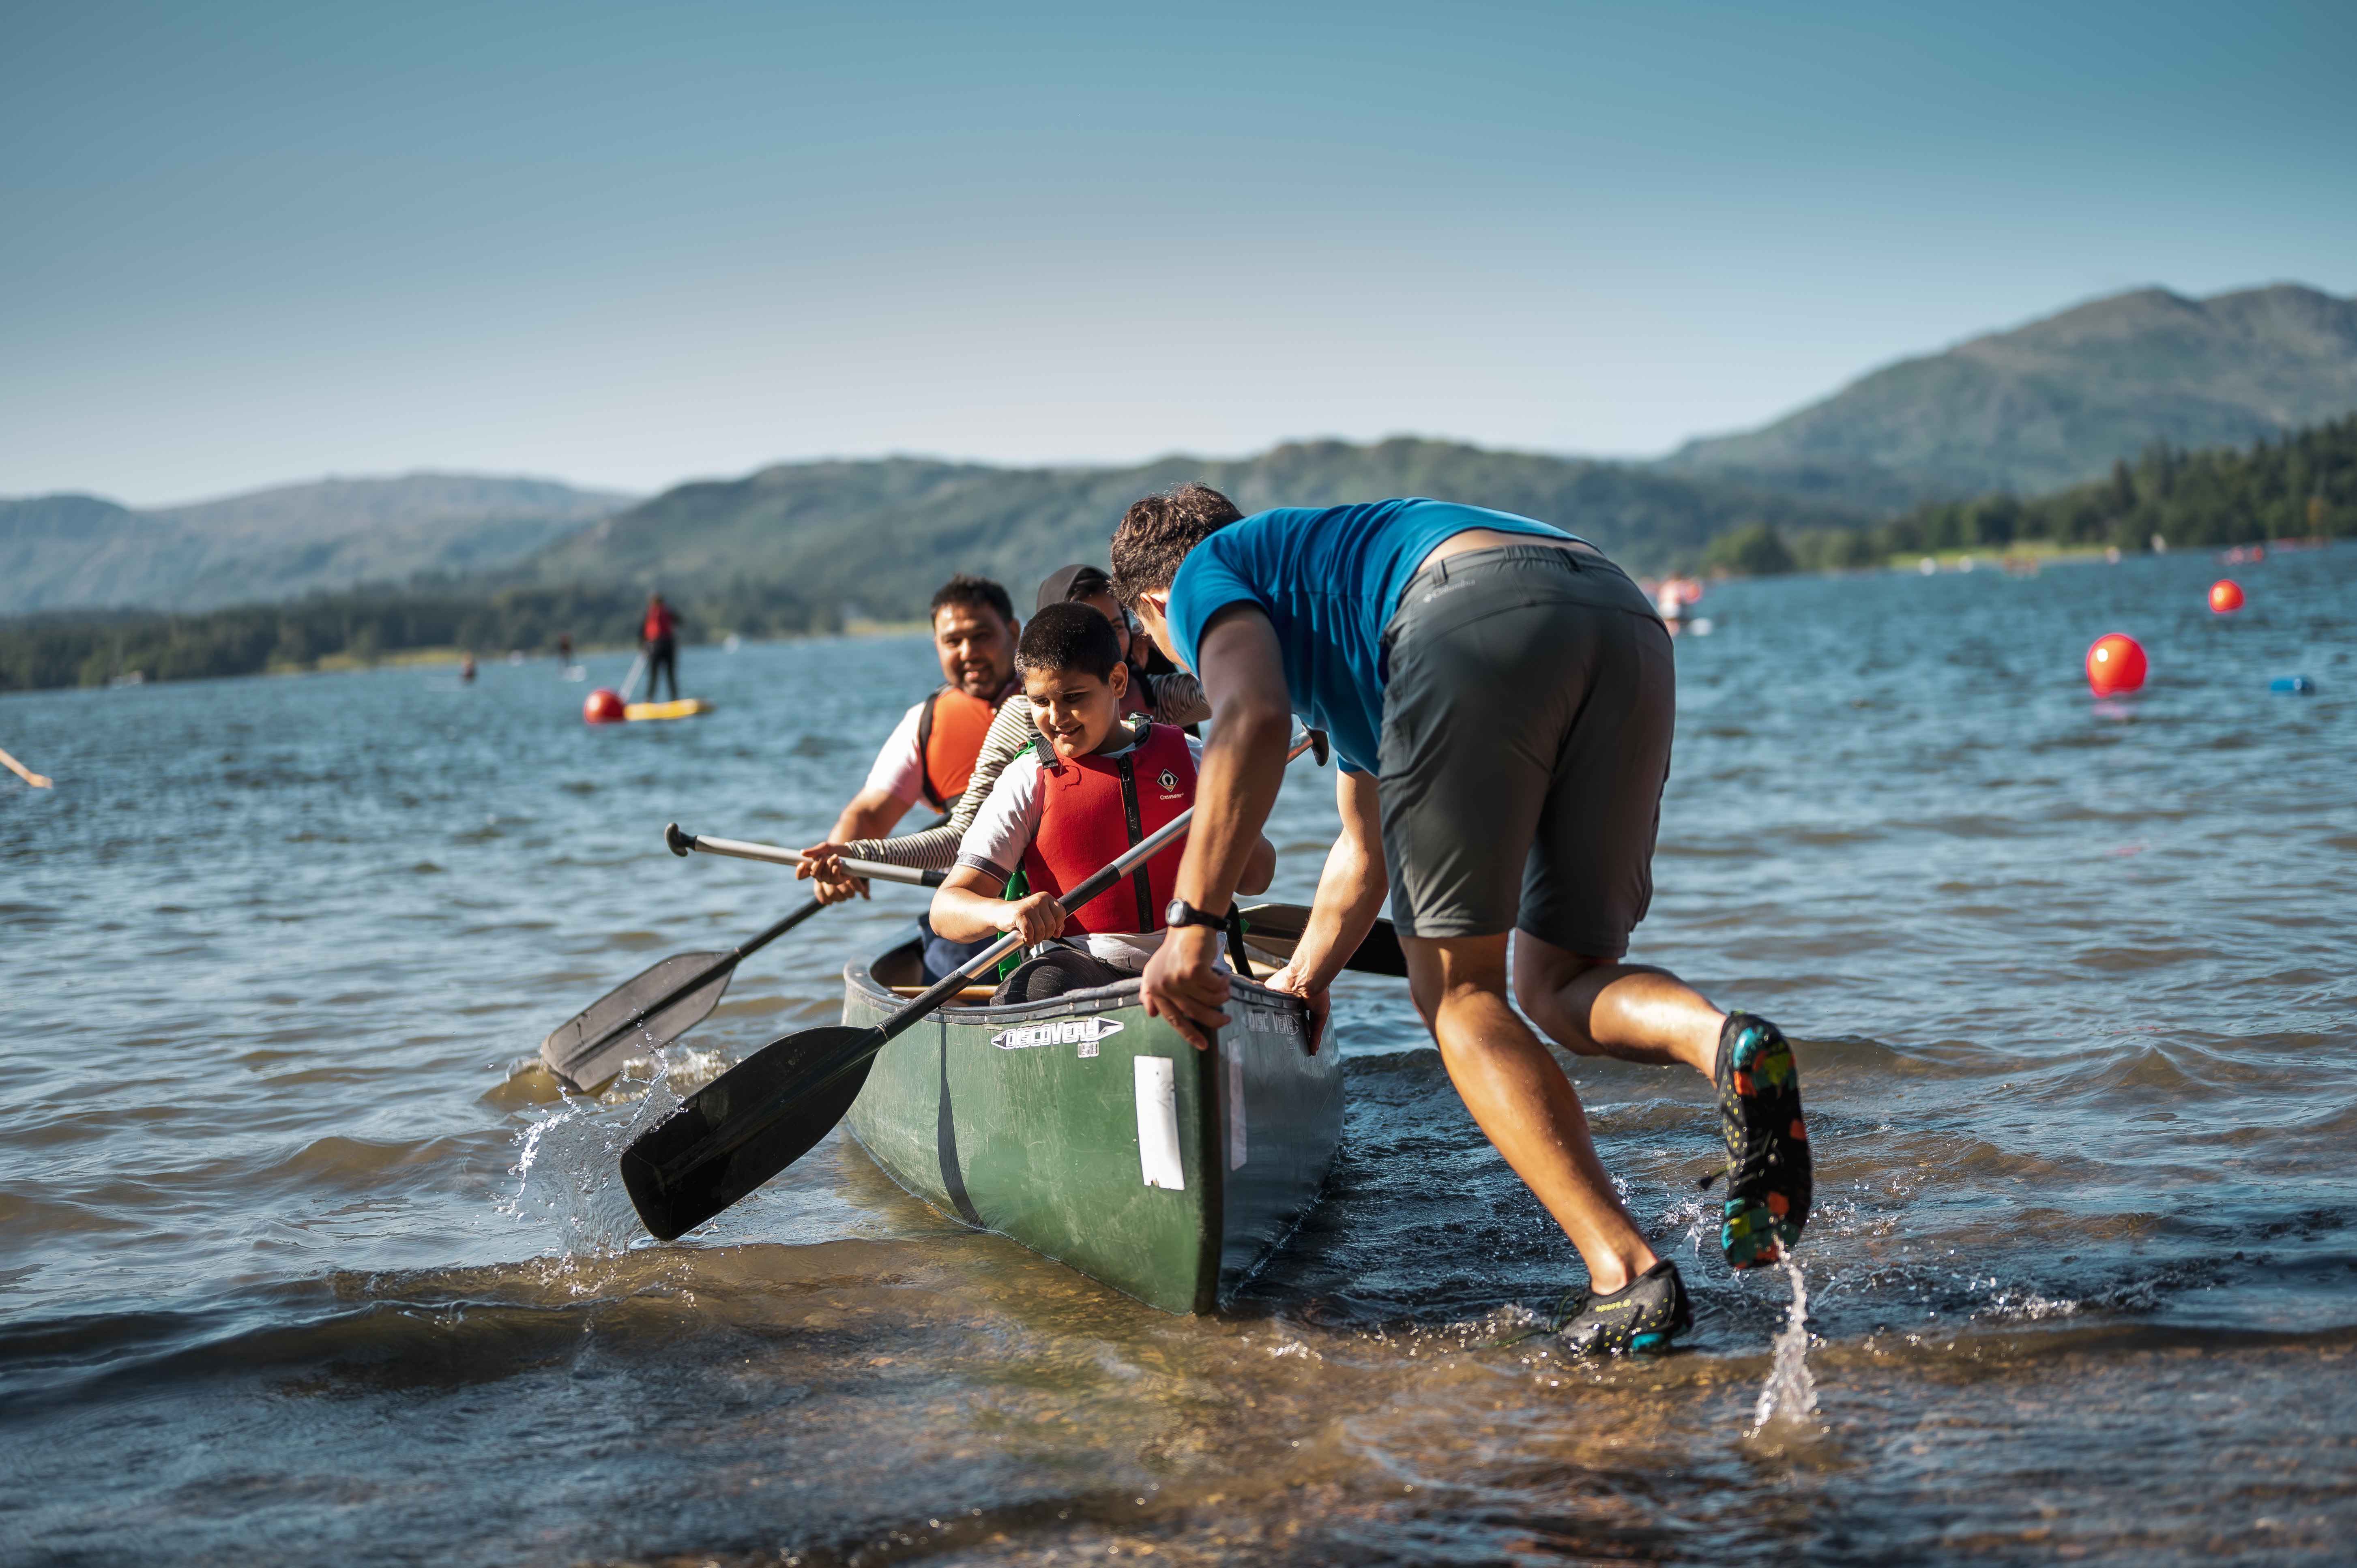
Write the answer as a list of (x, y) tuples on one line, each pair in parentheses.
[(822, 863), (1039, 918), (1181, 985)]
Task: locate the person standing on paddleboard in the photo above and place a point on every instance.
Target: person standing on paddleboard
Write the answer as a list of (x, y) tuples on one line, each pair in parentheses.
[(658, 637), (1502, 698)]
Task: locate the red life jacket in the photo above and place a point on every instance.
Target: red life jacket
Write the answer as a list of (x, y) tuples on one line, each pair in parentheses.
[(949, 737), (1092, 809), (658, 624)]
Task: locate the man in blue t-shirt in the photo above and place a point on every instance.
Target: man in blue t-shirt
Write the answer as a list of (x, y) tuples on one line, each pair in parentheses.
[(1500, 697)]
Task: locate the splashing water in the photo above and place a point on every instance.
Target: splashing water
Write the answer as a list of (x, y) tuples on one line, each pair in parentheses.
[(1789, 1394), (565, 1169)]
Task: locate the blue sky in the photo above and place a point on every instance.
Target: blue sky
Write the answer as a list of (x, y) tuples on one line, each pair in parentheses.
[(629, 244)]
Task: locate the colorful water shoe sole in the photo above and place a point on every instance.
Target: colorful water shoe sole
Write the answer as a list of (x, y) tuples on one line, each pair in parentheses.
[(1767, 1167), (1641, 1316)]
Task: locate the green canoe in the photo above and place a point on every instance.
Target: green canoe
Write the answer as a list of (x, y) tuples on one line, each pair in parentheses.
[(1095, 1135)]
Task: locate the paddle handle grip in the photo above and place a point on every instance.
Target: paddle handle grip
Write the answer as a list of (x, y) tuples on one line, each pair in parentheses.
[(682, 842)]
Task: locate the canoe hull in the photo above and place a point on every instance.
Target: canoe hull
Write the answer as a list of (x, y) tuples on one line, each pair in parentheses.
[(1095, 1135)]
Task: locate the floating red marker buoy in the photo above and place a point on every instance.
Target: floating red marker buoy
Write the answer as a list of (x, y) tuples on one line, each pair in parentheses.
[(2115, 664), (603, 706), (2226, 596)]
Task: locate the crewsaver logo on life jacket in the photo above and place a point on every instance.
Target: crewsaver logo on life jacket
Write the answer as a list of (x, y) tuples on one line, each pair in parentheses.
[(1170, 782)]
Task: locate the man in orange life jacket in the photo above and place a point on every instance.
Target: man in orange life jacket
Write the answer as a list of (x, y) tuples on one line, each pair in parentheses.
[(931, 751), (1096, 785)]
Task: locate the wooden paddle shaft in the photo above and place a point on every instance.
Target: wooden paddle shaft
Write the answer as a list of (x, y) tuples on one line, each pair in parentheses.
[(36, 781)]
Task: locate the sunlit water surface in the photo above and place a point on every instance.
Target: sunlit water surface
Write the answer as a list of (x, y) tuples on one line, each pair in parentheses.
[(295, 1267)]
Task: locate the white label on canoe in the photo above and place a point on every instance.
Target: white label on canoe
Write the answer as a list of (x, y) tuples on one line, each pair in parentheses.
[(1234, 1052), (1272, 1023), (1157, 1124), (1084, 1032)]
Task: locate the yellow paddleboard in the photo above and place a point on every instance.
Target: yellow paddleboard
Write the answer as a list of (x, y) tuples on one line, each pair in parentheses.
[(685, 708)]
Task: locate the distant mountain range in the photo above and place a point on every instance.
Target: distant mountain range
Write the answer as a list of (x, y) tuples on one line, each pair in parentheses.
[(880, 535), (68, 550), (2054, 402), (2032, 410)]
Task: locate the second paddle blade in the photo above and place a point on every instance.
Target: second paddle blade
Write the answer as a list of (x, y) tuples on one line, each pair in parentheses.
[(591, 1047), (743, 1128), (1276, 930)]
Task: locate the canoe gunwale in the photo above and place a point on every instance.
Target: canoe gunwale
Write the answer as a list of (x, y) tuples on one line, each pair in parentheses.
[(861, 974)]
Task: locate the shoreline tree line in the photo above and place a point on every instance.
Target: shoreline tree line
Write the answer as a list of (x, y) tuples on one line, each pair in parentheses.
[(2303, 485)]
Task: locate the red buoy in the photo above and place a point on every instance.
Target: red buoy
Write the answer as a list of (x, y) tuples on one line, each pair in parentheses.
[(2115, 664), (603, 706), (2226, 596)]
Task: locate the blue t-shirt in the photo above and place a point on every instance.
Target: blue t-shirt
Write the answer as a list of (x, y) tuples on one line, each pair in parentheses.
[(1328, 579)]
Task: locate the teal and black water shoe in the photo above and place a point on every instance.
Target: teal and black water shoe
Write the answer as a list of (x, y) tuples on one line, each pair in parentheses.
[(1640, 1316), (1768, 1182)]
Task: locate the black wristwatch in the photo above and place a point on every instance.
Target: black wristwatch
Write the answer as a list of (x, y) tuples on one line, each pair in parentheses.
[(1179, 912)]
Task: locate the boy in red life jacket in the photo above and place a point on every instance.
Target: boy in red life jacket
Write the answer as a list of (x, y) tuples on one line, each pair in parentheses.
[(1095, 785)]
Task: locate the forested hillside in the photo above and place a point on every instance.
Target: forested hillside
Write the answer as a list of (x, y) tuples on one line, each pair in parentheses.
[(880, 535), (71, 552), (2057, 401), (2304, 486)]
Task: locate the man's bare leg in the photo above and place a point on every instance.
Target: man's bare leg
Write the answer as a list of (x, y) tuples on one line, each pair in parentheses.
[(1522, 1099), (1601, 1007)]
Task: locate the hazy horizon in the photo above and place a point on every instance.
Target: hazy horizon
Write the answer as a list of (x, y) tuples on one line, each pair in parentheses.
[(624, 250)]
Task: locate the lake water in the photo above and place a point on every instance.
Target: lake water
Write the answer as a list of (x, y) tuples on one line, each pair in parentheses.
[(295, 1269)]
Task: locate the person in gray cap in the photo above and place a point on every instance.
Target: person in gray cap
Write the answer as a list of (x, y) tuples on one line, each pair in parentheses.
[(1171, 699)]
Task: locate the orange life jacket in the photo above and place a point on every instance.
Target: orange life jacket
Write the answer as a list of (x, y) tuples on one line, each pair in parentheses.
[(949, 737), (1092, 809)]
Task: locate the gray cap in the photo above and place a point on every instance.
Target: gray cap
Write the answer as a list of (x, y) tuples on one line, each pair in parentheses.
[(1068, 582)]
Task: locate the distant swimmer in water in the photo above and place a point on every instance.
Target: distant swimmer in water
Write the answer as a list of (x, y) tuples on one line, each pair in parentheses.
[(1502, 699), (657, 636), (1676, 594)]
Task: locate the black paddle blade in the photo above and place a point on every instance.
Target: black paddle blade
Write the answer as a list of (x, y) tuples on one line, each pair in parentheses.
[(1276, 930), (745, 1126), (590, 1047)]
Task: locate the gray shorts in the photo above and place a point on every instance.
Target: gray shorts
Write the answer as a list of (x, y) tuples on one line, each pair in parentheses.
[(1526, 737)]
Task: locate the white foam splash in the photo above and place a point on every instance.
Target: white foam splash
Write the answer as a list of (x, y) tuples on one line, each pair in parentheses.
[(566, 1183), (1789, 1394)]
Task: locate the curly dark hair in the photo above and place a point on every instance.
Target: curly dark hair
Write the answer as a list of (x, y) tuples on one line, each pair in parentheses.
[(980, 592), (1156, 532)]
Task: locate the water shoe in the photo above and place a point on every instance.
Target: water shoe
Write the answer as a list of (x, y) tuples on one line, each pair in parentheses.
[(1640, 1316), (1768, 1179)]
